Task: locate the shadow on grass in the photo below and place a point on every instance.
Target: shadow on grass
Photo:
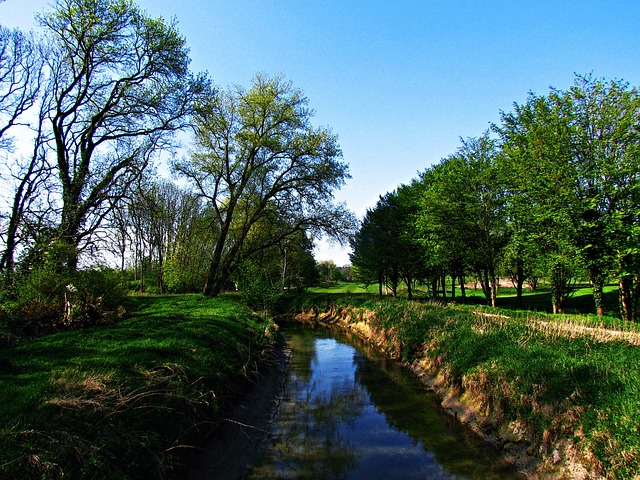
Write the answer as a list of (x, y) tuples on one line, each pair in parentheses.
[(581, 302)]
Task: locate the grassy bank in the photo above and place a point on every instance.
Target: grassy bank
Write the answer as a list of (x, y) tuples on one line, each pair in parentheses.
[(124, 400), (567, 388)]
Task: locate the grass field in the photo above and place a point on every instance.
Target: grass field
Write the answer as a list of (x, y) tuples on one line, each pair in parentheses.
[(581, 301), (122, 400)]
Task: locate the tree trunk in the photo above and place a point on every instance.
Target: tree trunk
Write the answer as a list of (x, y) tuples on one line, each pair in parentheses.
[(434, 287), (463, 290), (628, 294), (597, 280), (560, 281), (519, 281), (495, 284)]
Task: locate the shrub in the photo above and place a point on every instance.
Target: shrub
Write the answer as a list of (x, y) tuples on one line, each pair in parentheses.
[(45, 300)]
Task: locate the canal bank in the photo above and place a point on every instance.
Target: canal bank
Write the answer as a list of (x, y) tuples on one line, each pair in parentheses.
[(472, 400), (229, 451), (347, 411)]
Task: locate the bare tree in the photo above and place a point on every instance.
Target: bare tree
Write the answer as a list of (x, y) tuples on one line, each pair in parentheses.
[(21, 80), (121, 86)]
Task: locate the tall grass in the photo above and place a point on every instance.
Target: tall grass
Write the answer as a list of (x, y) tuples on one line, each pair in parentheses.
[(127, 399)]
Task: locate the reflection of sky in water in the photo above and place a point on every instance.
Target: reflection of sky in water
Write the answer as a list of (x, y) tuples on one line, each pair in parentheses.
[(345, 416)]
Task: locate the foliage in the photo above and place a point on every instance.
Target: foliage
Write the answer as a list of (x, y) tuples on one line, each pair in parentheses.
[(384, 249), (569, 157), (264, 171), (45, 300), (554, 197), (461, 217)]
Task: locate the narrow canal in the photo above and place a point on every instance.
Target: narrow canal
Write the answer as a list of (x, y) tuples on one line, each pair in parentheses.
[(346, 412)]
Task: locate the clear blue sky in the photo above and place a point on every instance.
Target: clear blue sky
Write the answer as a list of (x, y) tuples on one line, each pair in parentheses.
[(400, 82)]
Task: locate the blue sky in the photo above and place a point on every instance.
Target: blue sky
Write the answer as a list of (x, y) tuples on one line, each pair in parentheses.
[(400, 82)]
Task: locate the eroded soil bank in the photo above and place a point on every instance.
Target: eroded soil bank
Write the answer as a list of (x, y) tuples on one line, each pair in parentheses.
[(470, 406)]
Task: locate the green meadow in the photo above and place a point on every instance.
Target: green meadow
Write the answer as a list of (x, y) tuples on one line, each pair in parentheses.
[(129, 399)]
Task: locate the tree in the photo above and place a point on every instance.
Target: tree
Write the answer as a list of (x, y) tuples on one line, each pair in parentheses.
[(385, 250), (407, 252), (461, 217), (258, 159), (536, 162), (120, 86), (573, 157), (367, 255), (21, 79)]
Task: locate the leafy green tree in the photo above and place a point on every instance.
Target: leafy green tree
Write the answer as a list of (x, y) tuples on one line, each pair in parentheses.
[(120, 85), (265, 276), (462, 218), (258, 159), (570, 157), (165, 225), (367, 251), (536, 163), (384, 249), (606, 116)]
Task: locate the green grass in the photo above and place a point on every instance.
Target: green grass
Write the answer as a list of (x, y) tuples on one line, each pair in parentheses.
[(581, 301), (118, 401), (562, 376)]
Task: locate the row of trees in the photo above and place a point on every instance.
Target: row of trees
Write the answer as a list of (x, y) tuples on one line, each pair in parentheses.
[(87, 107), (551, 191)]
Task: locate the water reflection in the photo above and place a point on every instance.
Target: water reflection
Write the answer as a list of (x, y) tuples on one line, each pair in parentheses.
[(348, 413)]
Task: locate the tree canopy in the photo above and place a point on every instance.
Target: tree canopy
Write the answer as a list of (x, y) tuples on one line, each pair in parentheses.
[(258, 161), (554, 195)]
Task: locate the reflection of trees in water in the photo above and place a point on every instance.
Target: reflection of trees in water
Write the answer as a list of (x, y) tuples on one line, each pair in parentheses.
[(319, 430), (309, 441), (408, 408)]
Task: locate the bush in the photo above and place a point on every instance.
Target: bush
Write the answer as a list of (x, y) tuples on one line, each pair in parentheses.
[(44, 300)]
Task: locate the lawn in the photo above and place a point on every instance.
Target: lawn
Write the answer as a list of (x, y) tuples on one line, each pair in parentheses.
[(580, 302)]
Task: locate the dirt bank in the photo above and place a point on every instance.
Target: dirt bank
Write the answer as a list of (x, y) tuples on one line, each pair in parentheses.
[(234, 445), (467, 405)]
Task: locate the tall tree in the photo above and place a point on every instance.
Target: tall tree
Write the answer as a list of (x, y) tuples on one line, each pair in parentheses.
[(21, 79), (462, 214), (367, 250), (258, 158), (385, 250), (537, 148), (120, 86), (574, 156)]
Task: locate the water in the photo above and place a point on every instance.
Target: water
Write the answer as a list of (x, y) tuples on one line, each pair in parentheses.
[(348, 413)]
